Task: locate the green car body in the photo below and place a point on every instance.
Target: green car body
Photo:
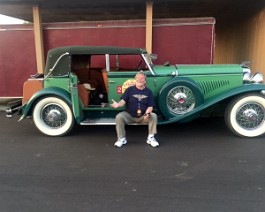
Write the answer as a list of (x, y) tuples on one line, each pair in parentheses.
[(182, 92)]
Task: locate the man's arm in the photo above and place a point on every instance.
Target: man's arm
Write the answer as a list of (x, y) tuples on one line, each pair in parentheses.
[(118, 104), (147, 112)]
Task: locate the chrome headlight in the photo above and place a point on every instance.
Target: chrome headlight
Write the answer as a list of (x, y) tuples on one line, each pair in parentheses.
[(249, 78), (256, 78), (246, 74)]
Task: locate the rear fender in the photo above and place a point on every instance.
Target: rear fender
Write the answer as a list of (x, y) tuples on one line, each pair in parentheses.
[(51, 91)]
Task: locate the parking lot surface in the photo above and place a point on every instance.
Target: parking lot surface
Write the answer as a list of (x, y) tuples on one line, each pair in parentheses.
[(199, 166)]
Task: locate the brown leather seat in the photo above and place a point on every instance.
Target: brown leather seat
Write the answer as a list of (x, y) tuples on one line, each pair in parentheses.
[(84, 94)]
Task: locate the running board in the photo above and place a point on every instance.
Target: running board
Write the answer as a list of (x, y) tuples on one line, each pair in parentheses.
[(99, 121), (104, 121)]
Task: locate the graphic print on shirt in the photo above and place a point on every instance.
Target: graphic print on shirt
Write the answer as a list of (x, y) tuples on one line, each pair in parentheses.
[(140, 96)]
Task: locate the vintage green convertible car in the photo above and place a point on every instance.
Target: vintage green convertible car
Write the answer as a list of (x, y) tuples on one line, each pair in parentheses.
[(79, 83)]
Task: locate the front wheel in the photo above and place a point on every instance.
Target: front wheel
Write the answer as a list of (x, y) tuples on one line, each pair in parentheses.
[(53, 116), (245, 116)]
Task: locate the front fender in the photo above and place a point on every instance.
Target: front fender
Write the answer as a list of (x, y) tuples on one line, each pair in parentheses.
[(180, 80), (51, 91), (211, 101), (247, 88)]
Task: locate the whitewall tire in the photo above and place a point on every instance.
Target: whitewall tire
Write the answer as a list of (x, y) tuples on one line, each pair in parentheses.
[(245, 116), (53, 116)]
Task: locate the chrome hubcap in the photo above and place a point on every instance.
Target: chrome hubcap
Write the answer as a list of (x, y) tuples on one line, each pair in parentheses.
[(180, 98), (250, 116), (53, 115)]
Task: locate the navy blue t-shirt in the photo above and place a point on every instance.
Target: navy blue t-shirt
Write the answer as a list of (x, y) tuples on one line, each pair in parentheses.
[(136, 98)]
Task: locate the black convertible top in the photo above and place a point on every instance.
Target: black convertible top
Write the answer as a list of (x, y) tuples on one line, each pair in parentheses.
[(61, 55)]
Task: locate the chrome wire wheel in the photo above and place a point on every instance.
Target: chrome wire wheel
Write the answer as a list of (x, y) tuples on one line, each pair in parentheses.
[(180, 100), (54, 115), (250, 116), (180, 97)]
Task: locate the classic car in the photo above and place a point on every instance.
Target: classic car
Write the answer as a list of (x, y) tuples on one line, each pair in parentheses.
[(79, 83)]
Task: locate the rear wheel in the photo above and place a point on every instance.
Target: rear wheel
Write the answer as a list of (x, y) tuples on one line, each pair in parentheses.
[(53, 116), (245, 116)]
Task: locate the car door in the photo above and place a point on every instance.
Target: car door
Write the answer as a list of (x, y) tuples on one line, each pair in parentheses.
[(118, 82)]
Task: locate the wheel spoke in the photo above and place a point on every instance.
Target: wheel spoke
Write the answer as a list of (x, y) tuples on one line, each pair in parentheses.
[(180, 100), (53, 115)]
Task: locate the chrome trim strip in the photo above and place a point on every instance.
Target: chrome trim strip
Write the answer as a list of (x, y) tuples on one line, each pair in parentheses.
[(148, 65), (55, 64)]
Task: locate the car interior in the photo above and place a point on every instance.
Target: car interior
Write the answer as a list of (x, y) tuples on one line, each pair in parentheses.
[(92, 80)]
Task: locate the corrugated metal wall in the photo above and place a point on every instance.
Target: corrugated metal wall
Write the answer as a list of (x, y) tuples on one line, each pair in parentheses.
[(257, 51), (242, 41)]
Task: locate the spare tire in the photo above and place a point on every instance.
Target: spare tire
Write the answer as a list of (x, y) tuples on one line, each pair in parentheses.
[(180, 97)]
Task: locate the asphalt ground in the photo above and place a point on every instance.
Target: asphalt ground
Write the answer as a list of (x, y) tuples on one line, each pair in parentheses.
[(199, 166)]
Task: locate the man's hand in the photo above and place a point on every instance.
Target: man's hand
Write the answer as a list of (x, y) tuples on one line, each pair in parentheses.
[(117, 104), (114, 104), (146, 116)]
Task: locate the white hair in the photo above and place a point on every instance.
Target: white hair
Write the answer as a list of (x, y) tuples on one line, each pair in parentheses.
[(140, 73)]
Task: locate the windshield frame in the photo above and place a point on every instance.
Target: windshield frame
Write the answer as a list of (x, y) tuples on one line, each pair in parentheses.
[(148, 58)]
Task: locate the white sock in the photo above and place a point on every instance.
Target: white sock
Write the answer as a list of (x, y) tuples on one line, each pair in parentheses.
[(122, 139), (150, 135)]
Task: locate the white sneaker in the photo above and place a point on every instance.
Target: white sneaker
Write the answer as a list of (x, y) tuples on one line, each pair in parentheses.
[(120, 142), (152, 141)]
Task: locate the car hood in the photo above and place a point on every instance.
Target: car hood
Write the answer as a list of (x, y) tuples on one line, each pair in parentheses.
[(182, 70), (208, 69)]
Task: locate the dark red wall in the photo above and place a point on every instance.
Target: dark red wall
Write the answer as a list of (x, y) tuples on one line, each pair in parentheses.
[(17, 60), (183, 42), (178, 41)]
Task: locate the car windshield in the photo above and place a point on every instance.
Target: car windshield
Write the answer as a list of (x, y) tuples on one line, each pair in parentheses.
[(127, 63)]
